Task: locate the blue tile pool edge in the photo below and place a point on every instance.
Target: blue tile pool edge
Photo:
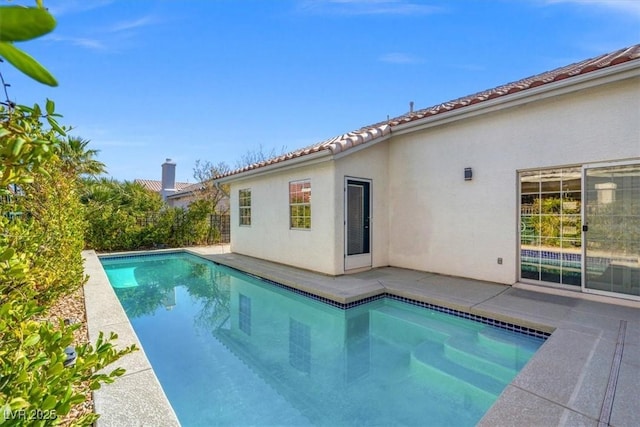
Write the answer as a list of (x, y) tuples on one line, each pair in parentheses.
[(532, 332)]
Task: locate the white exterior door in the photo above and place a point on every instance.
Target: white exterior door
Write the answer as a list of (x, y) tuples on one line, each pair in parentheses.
[(357, 223)]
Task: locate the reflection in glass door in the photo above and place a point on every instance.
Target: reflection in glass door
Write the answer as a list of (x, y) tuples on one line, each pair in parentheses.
[(612, 223), (550, 226)]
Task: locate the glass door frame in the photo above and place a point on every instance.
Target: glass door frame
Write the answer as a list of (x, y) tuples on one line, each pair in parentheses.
[(577, 170), (583, 286), (364, 260)]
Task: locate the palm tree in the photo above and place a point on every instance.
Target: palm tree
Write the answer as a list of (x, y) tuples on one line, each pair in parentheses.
[(79, 160)]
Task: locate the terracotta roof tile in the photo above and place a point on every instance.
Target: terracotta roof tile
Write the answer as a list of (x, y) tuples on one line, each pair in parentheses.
[(367, 134), (568, 71)]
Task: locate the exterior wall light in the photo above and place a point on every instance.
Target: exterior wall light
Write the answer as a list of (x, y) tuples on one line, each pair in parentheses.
[(468, 174)]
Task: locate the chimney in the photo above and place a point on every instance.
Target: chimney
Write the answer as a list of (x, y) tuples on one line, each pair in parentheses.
[(168, 178), (411, 107)]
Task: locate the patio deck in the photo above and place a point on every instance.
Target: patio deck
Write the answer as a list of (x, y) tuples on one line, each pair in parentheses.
[(586, 373)]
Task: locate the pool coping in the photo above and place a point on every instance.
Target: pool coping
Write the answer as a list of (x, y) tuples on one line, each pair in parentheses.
[(569, 379), (137, 395)]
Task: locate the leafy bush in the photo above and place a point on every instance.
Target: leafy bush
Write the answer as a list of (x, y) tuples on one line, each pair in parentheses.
[(35, 380), (114, 211), (41, 238), (125, 216)]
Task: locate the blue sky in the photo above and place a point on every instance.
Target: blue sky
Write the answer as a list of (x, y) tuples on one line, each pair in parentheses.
[(211, 79)]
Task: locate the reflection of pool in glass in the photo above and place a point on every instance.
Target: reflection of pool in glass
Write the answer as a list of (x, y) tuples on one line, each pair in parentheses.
[(231, 349)]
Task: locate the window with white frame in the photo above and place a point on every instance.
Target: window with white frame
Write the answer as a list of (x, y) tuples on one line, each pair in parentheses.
[(300, 204), (244, 203)]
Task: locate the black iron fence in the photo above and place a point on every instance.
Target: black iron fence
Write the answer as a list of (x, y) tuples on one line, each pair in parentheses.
[(185, 231), (221, 223)]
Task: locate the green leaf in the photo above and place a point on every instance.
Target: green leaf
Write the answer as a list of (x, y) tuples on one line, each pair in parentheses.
[(49, 403), (51, 106), (76, 399), (31, 340), (24, 23), (7, 254), (17, 146), (55, 126), (26, 64), (118, 372), (38, 362), (55, 369)]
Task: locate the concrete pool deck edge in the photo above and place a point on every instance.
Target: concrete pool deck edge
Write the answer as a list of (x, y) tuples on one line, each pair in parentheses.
[(136, 398), (570, 380)]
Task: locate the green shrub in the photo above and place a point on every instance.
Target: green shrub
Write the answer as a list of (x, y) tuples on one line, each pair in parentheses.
[(36, 388), (41, 238)]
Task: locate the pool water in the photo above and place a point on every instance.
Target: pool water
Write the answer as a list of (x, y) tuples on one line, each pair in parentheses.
[(231, 349)]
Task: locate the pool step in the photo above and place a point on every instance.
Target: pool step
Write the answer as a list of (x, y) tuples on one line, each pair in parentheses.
[(123, 277), (481, 359), (501, 341), (477, 347), (410, 328), (452, 378)]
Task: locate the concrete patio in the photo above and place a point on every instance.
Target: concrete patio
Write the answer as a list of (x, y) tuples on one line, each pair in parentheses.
[(586, 373)]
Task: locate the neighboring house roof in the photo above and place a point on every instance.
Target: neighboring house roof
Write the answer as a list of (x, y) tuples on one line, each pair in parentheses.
[(367, 134), (186, 190), (153, 185)]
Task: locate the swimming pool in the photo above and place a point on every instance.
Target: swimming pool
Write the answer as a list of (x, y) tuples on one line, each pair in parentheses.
[(231, 349)]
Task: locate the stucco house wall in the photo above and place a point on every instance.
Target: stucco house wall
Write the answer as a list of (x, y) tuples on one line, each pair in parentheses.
[(371, 163), (441, 223), (270, 237), (425, 215), (322, 247)]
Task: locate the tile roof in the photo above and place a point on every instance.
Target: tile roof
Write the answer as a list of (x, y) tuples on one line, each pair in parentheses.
[(154, 185), (369, 133), (187, 189)]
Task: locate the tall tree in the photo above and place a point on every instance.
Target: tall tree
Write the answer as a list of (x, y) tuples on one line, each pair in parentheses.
[(258, 155), (78, 159), (214, 195)]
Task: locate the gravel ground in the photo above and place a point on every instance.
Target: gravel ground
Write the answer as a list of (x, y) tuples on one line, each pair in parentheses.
[(72, 308)]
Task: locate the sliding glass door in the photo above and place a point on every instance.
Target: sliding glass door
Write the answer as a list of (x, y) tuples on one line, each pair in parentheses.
[(550, 225), (611, 218)]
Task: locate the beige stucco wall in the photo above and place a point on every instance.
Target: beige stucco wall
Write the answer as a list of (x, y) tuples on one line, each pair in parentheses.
[(321, 248), (425, 215), (182, 201), (370, 163), (270, 237), (440, 223)]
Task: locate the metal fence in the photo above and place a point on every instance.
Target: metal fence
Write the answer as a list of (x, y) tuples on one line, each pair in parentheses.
[(219, 228), (222, 223)]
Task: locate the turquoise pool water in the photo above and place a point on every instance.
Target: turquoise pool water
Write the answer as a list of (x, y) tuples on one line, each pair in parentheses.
[(231, 349)]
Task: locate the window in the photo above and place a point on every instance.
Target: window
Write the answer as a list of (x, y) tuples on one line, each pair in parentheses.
[(300, 204), (300, 346), (244, 202), (244, 314)]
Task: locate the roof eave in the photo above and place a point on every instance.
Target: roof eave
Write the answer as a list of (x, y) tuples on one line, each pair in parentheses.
[(308, 159), (606, 75), (363, 146)]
